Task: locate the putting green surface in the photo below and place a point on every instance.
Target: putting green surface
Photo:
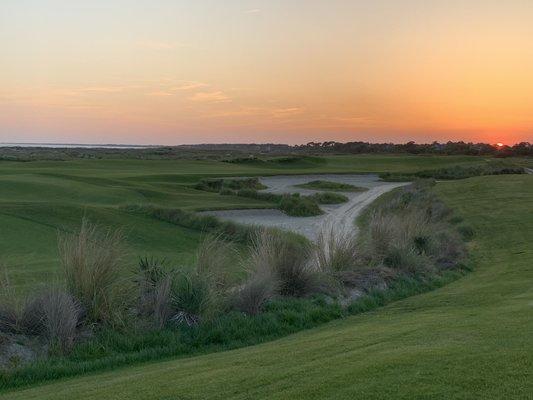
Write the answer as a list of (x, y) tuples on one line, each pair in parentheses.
[(470, 339), (38, 199)]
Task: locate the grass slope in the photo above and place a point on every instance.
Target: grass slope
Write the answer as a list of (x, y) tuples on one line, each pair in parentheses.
[(470, 339)]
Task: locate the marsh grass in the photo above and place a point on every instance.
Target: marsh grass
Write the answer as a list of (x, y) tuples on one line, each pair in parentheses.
[(335, 251), (287, 261), (54, 314), (333, 186), (94, 271), (329, 198)]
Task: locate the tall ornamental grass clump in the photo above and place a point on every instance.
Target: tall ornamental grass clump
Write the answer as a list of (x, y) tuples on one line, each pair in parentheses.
[(93, 262), (412, 233), (53, 314)]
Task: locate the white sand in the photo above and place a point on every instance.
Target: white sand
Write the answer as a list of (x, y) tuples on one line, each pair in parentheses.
[(340, 217)]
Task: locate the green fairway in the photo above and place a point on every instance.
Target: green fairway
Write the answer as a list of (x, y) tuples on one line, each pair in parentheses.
[(470, 339), (38, 199)]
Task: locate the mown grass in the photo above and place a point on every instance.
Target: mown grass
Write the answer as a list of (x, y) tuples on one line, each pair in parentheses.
[(469, 339)]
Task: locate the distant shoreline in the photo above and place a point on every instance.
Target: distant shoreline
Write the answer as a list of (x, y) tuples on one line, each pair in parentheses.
[(78, 145)]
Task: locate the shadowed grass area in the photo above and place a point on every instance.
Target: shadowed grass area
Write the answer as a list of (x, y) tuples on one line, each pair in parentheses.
[(470, 339)]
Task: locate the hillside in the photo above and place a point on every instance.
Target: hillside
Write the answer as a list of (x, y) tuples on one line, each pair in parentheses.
[(470, 339)]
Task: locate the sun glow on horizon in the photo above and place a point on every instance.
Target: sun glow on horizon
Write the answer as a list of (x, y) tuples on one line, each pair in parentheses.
[(240, 71)]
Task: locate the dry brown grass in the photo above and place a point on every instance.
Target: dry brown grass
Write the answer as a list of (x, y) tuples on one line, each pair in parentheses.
[(252, 296), (335, 251), (286, 260), (213, 258), (53, 314), (93, 264)]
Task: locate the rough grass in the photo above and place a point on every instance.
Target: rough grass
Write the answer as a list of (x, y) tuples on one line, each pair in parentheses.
[(332, 186), (469, 339), (54, 314), (458, 171), (329, 198), (94, 271), (335, 251), (299, 206)]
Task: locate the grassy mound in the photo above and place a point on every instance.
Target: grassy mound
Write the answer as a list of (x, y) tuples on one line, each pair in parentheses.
[(329, 198), (217, 185), (299, 206), (333, 186)]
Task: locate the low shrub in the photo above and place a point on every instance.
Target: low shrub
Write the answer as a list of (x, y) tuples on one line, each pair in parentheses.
[(329, 198), (411, 232), (299, 206), (333, 186), (219, 184)]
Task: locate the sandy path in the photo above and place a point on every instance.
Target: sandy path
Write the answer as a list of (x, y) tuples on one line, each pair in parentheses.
[(338, 217)]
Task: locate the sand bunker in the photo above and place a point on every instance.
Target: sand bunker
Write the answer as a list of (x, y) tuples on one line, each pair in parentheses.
[(340, 217)]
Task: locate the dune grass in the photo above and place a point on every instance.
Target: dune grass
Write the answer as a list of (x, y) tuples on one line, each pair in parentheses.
[(469, 339), (332, 186)]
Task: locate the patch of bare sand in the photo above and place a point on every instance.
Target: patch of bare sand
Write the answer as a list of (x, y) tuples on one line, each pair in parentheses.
[(340, 218)]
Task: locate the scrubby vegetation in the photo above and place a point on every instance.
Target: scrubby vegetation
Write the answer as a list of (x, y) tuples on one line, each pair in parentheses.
[(299, 206), (291, 204), (456, 172), (101, 316), (333, 186), (329, 198), (254, 154), (218, 185)]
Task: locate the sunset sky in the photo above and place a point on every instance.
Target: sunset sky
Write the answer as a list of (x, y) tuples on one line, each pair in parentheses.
[(292, 71)]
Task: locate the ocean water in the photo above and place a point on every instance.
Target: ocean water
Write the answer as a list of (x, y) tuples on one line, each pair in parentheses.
[(76, 146)]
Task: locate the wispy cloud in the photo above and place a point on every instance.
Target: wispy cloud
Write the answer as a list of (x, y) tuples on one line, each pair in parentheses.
[(103, 89), (252, 11), (286, 112), (160, 93), (210, 97), (190, 85)]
